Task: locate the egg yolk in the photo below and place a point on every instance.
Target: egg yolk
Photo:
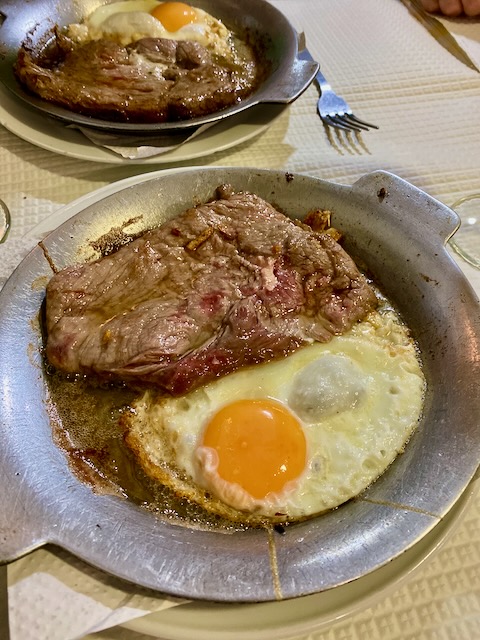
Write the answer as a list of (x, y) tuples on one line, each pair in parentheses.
[(174, 15), (260, 445)]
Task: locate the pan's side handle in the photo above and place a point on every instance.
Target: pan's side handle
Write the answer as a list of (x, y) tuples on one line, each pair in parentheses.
[(24, 423), (291, 84), (428, 216), (20, 523)]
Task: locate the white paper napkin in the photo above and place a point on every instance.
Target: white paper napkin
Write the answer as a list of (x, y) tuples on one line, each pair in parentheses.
[(85, 600), (135, 147)]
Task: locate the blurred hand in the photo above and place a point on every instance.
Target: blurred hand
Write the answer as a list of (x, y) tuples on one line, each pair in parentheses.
[(453, 8)]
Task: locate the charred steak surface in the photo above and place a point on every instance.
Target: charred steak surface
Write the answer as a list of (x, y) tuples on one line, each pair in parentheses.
[(104, 79), (229, 283)]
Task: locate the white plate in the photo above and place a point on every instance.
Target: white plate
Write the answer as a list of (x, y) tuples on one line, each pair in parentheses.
[(300, 617), (46, 133)]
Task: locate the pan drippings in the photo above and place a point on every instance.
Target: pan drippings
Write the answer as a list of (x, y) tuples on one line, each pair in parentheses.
[(86, 425)]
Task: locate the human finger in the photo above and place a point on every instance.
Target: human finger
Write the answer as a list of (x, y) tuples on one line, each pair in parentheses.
[(471, 7), (451, 8), (432, 6)]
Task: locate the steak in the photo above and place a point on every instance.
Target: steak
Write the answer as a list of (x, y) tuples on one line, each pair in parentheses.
[(151, 80), (228, 283)]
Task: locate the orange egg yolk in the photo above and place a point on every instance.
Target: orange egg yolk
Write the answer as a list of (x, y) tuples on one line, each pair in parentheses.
[(260, 445), (174, 15)]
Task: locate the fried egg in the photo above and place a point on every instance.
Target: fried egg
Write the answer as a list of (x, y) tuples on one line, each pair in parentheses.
[(127, 21), (290, 438)]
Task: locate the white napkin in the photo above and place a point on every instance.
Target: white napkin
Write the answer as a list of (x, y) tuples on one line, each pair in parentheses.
[(135, 147), (86, 600)]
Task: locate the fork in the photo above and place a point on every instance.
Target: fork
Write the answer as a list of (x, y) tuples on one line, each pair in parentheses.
[(332, 109)]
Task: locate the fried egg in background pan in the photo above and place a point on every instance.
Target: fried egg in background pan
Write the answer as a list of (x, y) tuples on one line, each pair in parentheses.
[(127, 21), (291, 438)]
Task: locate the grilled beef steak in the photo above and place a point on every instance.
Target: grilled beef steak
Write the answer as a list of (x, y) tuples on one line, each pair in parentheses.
[(226, 284), (151, 80)]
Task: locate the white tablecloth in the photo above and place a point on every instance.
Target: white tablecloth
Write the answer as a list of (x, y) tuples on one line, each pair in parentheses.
[(427, 105)]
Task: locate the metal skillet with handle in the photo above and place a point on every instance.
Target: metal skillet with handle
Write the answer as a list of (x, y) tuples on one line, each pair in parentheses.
[(400, 233), (286, 77)]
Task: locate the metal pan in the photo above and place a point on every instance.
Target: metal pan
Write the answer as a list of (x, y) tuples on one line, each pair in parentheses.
[(287, 80), (400, 233)]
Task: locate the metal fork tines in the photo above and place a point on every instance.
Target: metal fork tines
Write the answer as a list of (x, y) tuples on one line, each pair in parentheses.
[(332, 109)]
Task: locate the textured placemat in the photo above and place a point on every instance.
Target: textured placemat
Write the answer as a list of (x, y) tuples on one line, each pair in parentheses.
[(426, 103)]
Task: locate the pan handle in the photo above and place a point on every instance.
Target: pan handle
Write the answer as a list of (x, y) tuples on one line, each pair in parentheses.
[(20, 523), (430, 217), (289, 86)]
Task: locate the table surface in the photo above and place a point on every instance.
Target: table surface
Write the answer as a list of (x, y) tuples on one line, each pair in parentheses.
[(427, 105)]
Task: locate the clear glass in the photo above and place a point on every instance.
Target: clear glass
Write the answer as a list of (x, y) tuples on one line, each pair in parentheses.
[(4, 221), (466, 241)]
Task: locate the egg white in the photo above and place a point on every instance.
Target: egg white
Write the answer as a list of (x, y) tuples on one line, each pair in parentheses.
[(127, 21), (358, 397)]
